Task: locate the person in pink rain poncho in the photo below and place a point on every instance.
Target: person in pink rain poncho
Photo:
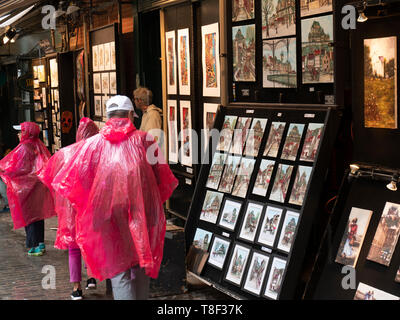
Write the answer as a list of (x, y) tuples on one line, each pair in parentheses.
[(29, 199), (117, 182)]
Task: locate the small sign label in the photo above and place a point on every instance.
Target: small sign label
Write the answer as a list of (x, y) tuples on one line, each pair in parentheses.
[(266, 249), (188, 181), (245, 92), (250, 111), (312, 89), (309, 115), (329, 99), (189, 170), (226, 234)]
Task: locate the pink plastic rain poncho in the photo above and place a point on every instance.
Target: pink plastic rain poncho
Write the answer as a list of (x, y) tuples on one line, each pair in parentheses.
[(29, 199), (119, 197), (66, 214)]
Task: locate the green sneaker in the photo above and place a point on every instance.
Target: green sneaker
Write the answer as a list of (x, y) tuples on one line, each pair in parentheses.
[(42, 247), (36, 251)]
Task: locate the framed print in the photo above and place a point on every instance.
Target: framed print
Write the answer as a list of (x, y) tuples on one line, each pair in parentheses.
[(36, 83), (243, 177), (244, 53), (184, 61), (211, 205), (255, 137), (209, 114), (292, 142), (113, 83), (228, 177), (274, 139), (281, 183), (366, 292), (210, 60), (35, 72), (288, 231), (171, 62), (311, 142), (44, 97), (397, 279), (105, 83), (104, 100), (279, 63), (299, 189), (311, 7), (101, 57), (237, 265), (113, 59), (107, 56), (226, 134), (251, 221), (269, 226), (41, 73), (53, 73), (230, 214), (386, 235), (186, 133), (219, 251), (98, 107), (95, 58), (353, 237), (97, 83), (263, 177), (278, 18), (275, 278), (380, 83), (216, 170), (173, 145), (240, 135), (256, 273), (202, 239), (242, 10), (317, 49)]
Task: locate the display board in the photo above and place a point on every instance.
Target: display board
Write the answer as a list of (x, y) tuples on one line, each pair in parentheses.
[(257, 195)]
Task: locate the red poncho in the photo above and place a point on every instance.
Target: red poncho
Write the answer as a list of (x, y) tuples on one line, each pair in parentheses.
[(118, 193), (29, 199)]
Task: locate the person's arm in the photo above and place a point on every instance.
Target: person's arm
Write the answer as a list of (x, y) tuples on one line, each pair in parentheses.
[(17, 163)]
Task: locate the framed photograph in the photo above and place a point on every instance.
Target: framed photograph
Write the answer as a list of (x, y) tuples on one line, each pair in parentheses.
[(107, 56), (97, 106), (41, 73), (113, 58), (104, 100), (228, 177), (311, 7), (317, 49), (311, 142), (255, 136), (226, 133), (300, 186), (275, 25), (251, 221), (202, 239), (230, 214), (101, 57), (184, 61), (292, 142), (97, 83), (209, 114), (275, 278), (386, 235), (113, 83), (244, 53), (211, 206), (256, 273), (53, 73), (186, 133), (263, 177), (353, 237), (210, 60), (173, 145), (243, 177), (105, 83), (242, 10), (219, 251), (269, 226), (171, 62), (95, 58), (240, 135), (366, 292), (216, 170), (288, 231), (380, 83), (281, 183), (279, 63), (237, 266)]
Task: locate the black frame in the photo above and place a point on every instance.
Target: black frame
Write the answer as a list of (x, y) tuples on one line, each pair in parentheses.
[(244, 217), (246, 266), (273, 257), (281, 230), (227, 252), (222, 210), (278, 229)]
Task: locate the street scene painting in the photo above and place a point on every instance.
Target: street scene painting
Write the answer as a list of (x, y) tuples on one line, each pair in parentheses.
[(218, 252), (275, 278), (209, 114), (281, 183), (317, 49), (226, 134), (299, 189), (274, 139), (311, 142), (243, 177), (244, 53), (240, 135), (366, 292), (211, 205), (242, 10), (255, 136), (380, 83), (228, 177), (230, 213), (279, 63), (256, 274), (238, 264), (263, 177), (386, 236), (311, 7), (288, 231), (278, 18), (269, 226), (210, 60), (353, 237), (217, 167), (202, 239), (292, 142), (251, 221)]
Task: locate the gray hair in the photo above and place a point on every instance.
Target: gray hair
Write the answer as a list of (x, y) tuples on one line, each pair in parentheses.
[(144, 94), (118, 114)]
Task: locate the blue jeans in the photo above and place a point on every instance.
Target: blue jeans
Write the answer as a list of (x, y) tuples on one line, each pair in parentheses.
[(3, 192), (133, 284)]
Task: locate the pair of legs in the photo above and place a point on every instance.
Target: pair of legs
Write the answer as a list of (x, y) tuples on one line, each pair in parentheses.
[(75, 267), (132, 284), (34, 234)]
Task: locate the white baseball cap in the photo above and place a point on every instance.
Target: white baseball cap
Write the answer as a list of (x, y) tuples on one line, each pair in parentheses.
[(120, 103), (18, 127)]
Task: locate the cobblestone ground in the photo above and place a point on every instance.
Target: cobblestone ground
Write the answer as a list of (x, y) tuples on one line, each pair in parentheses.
[(21, 275)]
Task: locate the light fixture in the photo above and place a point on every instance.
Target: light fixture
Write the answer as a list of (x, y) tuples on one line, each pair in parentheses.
[(362, 17), (354, 168), (11, 32), (392, 185)]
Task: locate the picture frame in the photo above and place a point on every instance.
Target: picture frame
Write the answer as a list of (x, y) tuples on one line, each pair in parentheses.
[(105, 83), (35, 72), (97, 83), (44, 98), (300, 186), (219, 251), (53, 72), (228, 176), (273, 27), (41, 73), (107, 56), (171, 62), (242, 10), (209, 114), (309, 8), (276, 277), (186, 133), (202, 239), (98, 106), (240, 135), (216, 170), (270, 226), (211, 206), (288, 231), (243, 177), (113, 83), (312, 142), (367, 292), (281, 183), (226, 134), (292, 141), (255, 137), (230, 213), (210, 60), (113, 57), (173, 145), (237, 264), (250, 221), (256, 273), (243, 41), (101, 57), (95, 58), (104, 100), (184, 61), (263, 178)]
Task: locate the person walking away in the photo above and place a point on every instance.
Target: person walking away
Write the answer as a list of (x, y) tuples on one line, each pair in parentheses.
[(118, 181), (30, 201)]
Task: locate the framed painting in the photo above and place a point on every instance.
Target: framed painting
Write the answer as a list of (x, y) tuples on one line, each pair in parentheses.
[(244, 53), (238, 262), (311, 142), (366, 292), (101, 56), (240, 135), (292, 142), (269, 226), (281, 183), (242, 10), (228, 177), (95, 58), (209, 114), (113, 83), (186, 133), (275, 278), (300, 186), (256, 273), (250, 221), (255, 136), (243, 177), (53, 73), (278, 18), (105, 83), (311, 7), (211, 206), (97, 106), (274, 139), (113, 59), (104, 100), (216, 170), (230, 214), (218, 252), (171, 62), (226, 134), (210, 60), (107, 56), (263, 177), (173, 145), (202, 239), (288, 231), (41, 73), (184, 61)]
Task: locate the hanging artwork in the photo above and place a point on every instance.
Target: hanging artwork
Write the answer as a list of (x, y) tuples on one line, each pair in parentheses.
[(274, 139), (299, 188), (228, 177), (288, 231), (256, 274), (275, 278), (243, 177), (218, 252), (202, 239), (226, 133), (211, 205), (311, 7), (186, 133), (230, 214), (171, 62), (237, 264), (107, 56), (278, 18), (380, 83), (104, 100), (97, 83), (210, 60), (353, 237), (101, 57), (279, 63), (366, 292), (269, 226), (97, 106), (317, 50), (184, 61), (113, 82), (113, 60), (386, 236), (255, 136), (173, 131), (105, 83), (95, 58), (240, 135), (292, 142), (281, 183), (244, 53), (311, 142), (53, 73), (209, 114), (250, 221), (263, 177), (217, 167), (41, 73), (242, 10)]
